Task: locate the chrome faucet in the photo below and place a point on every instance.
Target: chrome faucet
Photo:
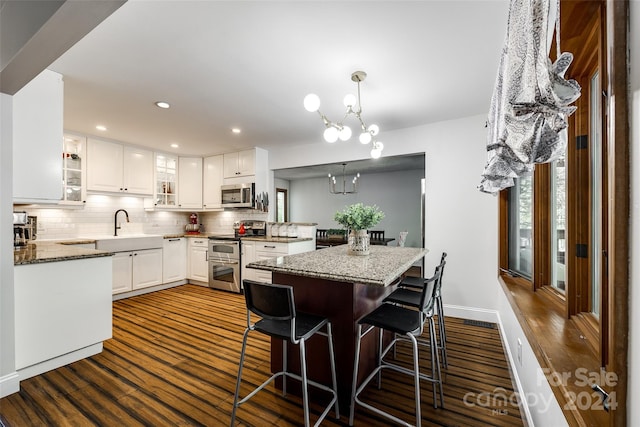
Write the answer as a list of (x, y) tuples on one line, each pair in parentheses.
[(115, 221)]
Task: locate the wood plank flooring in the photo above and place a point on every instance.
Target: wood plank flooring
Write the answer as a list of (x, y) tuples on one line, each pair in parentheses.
[(173, 362)]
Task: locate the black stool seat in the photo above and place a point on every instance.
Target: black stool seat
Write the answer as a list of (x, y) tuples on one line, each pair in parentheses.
[(404, 297), (412, 282), (306, 326), (394, 318)]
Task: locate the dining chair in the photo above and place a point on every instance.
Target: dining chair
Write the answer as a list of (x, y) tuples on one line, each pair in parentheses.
[(376, 234), (416, 283), (409, 323), (275, 305)]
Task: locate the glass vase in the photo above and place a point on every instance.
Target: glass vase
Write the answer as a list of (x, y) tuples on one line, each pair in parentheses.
[(358, 243)]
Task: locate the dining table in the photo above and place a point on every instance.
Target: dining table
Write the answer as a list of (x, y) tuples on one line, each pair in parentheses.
[(342, 287), (327, 242)]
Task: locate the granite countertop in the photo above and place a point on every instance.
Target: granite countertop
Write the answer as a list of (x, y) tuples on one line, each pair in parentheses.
[(39, 252), (275, 239), (246, 238), (380, 268)]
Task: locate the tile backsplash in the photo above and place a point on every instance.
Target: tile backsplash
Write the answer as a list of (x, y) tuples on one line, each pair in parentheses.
[(96, 218)]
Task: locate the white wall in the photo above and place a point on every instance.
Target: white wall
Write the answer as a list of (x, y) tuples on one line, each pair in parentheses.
[(8, 377), (397, 194), (633, 411)]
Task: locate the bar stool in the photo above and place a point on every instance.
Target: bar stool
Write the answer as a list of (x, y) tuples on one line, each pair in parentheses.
[(407, 322), (276, 306), (405, 297)]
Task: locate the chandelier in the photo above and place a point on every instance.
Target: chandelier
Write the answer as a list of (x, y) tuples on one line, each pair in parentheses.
[(354, 183), (337, 130)]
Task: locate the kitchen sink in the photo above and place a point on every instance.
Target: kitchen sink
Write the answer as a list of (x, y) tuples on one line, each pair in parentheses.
[(131, 242)]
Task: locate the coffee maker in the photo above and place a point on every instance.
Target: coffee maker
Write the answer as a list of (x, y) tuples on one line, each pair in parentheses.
[(24, 228)]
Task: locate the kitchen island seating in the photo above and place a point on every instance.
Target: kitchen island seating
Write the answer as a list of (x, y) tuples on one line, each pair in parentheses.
[(404, 296), (405, 322), (279, 319)]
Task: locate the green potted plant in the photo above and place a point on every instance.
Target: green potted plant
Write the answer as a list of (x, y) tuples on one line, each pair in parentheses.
[(358, 218)]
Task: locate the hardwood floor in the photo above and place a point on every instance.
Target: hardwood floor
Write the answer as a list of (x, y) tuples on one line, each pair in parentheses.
[(173, 361)]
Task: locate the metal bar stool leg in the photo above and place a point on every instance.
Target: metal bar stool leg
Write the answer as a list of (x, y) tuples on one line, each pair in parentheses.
[(416, 370), (435, 366), (303, 372), (284, 367), (235, 398), (443, 332), (333, 367), (355, 375)]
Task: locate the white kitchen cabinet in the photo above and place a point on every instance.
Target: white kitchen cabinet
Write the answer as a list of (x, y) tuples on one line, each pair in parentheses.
[(37, 140), (166, 177), (122, 268), (241, 163), (190, 182), (136, 270), (198, 262), (147, 268), (267, 250), (62, 312), (248, 255), (174, 259), (212, 180), (138, 171), (114, 168), (74, 170)]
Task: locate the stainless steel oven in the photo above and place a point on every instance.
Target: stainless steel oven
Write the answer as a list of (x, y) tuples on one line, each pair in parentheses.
[(224, 264)]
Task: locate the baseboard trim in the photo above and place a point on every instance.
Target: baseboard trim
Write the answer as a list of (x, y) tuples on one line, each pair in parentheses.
[(9, 384), (484, 315), (65, 359), (471, 313), (143, 291)]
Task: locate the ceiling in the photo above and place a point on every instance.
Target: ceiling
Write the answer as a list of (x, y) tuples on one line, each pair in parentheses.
[(249, 64)]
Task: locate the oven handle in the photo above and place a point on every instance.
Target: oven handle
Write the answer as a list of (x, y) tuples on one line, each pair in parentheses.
[(218, 261)]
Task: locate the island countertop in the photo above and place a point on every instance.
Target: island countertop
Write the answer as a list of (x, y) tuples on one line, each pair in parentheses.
[(380, 268), (42, 251)]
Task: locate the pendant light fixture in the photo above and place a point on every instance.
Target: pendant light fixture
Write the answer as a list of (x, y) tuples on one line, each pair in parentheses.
[(337, 130), (354, 183)]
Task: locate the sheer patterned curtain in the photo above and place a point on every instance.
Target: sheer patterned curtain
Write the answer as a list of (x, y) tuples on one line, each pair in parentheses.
[(530, 103)]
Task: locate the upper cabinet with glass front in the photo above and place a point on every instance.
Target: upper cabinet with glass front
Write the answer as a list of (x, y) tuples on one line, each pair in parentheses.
[(166, 173), (74, 190)]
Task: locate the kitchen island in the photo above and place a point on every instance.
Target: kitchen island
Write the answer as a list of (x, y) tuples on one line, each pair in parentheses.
[(342, 287)]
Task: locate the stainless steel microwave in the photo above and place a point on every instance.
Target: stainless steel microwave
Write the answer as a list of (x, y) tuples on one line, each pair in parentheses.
[(238, 195)]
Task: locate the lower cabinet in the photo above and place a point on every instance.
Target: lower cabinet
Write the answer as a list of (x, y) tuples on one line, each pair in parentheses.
[(136, 270), (198, 263), (174, 259), (260, 251)]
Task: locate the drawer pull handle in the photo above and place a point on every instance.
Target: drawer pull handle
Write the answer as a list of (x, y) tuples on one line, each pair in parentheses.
[(271, 247), (174, 240)]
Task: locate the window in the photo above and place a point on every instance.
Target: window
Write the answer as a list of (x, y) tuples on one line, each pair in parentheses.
[(520, 231), (558, 216), (282, 203)]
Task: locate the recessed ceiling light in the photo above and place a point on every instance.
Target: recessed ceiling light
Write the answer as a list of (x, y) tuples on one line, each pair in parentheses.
[(174, 145), (163, 104), (236, 130), (101, 128)]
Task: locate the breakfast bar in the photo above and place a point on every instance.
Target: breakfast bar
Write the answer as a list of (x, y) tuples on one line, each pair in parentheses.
[(342, 287)]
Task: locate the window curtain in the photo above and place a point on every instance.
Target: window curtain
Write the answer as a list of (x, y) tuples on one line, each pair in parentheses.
[(530, 103)]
